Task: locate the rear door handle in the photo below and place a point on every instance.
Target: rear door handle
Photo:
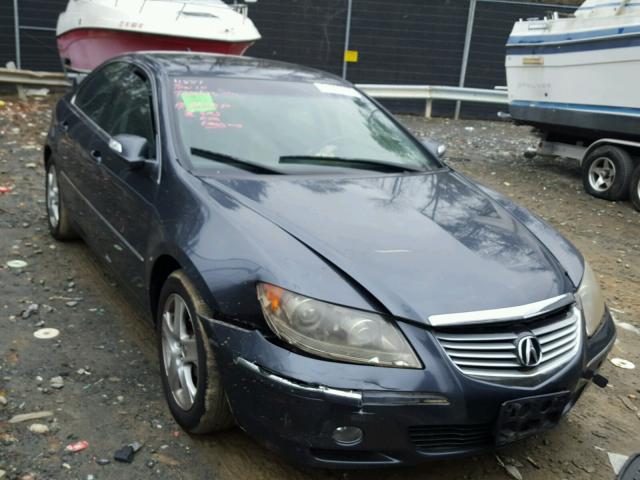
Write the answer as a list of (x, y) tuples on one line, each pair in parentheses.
[(96, 155), (64, 126)]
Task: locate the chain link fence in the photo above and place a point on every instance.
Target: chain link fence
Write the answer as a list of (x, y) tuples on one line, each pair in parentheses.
[(400, 42)]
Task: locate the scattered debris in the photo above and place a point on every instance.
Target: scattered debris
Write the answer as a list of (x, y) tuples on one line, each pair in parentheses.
[(25, 417), (7, 438), (622, 363), (617, 461), (166, 459), (2, 472), (533, 462), (77, 446), (5, 189), (39, 428), (103, 461), (46, 333), (629, 404), (16, 263), (628, 327), (511, 470), (36, 92), (30, 310), (126, 453), (57, 382), (3, 400)]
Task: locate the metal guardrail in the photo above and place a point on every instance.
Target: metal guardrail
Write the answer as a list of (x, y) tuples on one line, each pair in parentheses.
[(432, 93), (29, 77)]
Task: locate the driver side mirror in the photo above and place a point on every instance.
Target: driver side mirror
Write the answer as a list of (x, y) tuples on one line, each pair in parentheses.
[(132, 148), (438, 150)]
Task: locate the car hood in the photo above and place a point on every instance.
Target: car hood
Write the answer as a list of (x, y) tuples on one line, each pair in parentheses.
[(422, 244)]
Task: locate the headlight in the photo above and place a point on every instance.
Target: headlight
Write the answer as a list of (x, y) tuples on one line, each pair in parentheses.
[(591, 299), (335, 332)]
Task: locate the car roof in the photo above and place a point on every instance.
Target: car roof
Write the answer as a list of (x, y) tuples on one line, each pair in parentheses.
[(229, 66)]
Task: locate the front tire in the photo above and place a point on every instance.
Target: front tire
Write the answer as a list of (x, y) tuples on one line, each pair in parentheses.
[(57, 214), (606, 173), (634, 188), (190, 376)]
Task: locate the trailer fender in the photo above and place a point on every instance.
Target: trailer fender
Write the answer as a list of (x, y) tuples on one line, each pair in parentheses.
[(633, 148)]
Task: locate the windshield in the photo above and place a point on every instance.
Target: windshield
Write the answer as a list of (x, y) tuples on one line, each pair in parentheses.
[(273, 123)]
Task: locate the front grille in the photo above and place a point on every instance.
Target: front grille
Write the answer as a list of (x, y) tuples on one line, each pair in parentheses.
[(450, 437), (491, 352)]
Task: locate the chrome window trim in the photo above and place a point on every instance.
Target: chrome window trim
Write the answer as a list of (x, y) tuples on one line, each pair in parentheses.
[(509, 314)]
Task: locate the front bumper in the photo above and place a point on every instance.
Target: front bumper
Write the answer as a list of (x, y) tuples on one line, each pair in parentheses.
[(293, 403)]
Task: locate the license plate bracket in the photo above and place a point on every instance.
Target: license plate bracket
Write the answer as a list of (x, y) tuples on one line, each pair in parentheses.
[(524, 417)]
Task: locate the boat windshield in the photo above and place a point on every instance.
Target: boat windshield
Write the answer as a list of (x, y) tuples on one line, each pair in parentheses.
[(289, 127)]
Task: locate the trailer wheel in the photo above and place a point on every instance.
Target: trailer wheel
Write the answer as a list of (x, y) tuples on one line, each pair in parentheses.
[(634, 188), (606, 173)]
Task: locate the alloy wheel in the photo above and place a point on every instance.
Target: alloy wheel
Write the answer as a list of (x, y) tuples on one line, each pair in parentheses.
[(53, 197), (602, 174), (180, 351)]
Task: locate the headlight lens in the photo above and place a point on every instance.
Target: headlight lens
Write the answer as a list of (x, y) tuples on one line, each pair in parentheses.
[(335, 332), (592, 301)]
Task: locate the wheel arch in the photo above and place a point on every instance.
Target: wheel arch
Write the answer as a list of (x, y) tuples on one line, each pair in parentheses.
[(47, 154), (163, 266), (632, 148)]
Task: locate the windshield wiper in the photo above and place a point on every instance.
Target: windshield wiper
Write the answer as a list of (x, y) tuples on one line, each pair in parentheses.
[(235, 162), (348, 163)]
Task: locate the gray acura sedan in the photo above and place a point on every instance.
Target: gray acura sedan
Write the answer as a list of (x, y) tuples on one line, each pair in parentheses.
[(316, 275)]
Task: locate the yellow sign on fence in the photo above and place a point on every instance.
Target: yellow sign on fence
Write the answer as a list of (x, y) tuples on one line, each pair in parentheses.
[(351, 56)]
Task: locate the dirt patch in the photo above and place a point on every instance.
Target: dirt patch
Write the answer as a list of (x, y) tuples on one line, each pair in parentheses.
[(110, 394)]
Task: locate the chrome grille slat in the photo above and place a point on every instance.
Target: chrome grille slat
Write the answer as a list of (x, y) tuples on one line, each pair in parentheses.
[(560, 351), (494, 364), (478, 346), (493, 354), (557, 334), (548, 347), (553, 327), (480, 354), (465, 337)]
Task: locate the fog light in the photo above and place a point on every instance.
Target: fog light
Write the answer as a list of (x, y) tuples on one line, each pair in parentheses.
[(347, 436)]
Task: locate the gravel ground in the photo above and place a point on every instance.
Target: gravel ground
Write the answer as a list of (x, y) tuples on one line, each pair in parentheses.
[(109, 393)]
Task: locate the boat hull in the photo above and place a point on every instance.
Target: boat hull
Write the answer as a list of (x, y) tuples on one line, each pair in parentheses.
[(576, 81), (83, 49)]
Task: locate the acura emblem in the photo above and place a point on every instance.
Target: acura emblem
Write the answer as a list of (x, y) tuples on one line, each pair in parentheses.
[(529, 351)]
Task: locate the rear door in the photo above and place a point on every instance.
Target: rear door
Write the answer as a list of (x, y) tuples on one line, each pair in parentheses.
[(86, 121)]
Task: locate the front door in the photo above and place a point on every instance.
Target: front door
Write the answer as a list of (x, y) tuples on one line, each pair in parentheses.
[(127, 196)]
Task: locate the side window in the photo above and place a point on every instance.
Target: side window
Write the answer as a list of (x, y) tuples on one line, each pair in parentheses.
[(133, 110), (95, 94)]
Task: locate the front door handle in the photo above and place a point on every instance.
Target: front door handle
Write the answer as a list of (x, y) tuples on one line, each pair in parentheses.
[(64, 126), (96, 155)]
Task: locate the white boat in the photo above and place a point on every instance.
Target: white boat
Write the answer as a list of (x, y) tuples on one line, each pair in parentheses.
[(578, 74), (92, 31)]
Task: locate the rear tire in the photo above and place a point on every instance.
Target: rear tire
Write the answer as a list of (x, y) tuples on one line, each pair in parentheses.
[(606, 173), (190, 376), (634, 188), (58, 216)]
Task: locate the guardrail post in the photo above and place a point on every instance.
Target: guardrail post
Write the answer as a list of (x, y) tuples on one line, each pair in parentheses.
[(429, 109), (465, 54)]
